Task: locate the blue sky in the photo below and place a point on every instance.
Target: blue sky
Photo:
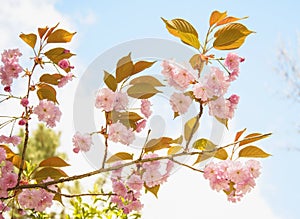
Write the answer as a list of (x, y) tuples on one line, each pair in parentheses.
[(263, 106)]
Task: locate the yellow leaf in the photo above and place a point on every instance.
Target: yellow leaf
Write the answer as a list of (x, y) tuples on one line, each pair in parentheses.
[(125, 68), (119, 156), (148, 80), (174, 150), (141, 65), (30, 39), (153, 190), (60, 36), (190, 127), (51, 78), (253, 137), (229, 19), (158, 143), (216, 16), (53, 162), (45, 91), (221, 154), (232, 36), (184, 30), (57, 54), (142, 91), (16, 160), (204, 144), (223, 121), (253, 151), (202, 157), (110, 81)]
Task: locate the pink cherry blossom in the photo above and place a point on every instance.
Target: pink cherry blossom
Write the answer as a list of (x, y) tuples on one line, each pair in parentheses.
[(64, 63), (253, 167), (82, 142), (232, 61), (140, 125), (119, 188), (47, 112), (2, 155), (24, 102), (217, 82), (145, 108), (15, 140), (201, 91), (65, 79), (105, 99), (135, 182), (121, 101), (218, 108), (180, 102), (120, 133)]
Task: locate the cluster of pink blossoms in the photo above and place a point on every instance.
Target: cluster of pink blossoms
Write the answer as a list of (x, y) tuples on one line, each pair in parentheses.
[(82, 142), (37, 199), (15, 140), (210, 89), (120, 133), (108, 100), (128, 188), (47, 112), (11, 68), (233, 177)]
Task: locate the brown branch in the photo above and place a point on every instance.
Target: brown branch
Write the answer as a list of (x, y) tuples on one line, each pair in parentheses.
[(188, 166)]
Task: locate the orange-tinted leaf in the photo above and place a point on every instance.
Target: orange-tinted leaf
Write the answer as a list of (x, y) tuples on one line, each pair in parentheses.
[(51, 30), (154, 190), (232, 36), (30, 39), (9, 152), (221, 154), (16, 160), (184, 30), (57, 54), (57, 196), (238, 134), (45, 91), (141, 66), (51, 78), (60, 36), (253, 137), (147, 80), (228, 20), (216, 16), (158, 143), (53, 162), (42, 31), (253, 151), (110, 81), (46, 172), (142, 91), (120, 156), (125, 68)]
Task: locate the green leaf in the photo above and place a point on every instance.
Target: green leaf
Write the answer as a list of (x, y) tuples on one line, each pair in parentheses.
[(57, 54), (51, 78), (232, 36), (46, 172), (47, 92), (141, 66), (110, 81), (223, 121), (174, 149), (204, 144), (216, 16), (184, 30), (30, 39), (158, 143), (190, 127), (53, 162), (253, 151), (221, 154), (120, 156), (253, 137), (125, 68), (147, 80), (60, 36), (142, 91), (154, 190)]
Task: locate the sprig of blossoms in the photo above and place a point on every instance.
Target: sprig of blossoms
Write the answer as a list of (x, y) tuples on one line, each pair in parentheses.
[(233, 177), (47, 112)]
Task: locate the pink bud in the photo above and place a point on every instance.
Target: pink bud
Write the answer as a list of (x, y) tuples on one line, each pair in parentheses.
[(24, 102), (234, 99), (76, 150), (22, 122), (66, 51), (242, 59), (64, 63), (7, 89)]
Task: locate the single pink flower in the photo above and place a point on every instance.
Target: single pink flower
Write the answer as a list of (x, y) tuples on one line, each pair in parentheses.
[(47, 112), (120, 133), (105, 99), (82, 142), (121, 101), (180, 102)]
